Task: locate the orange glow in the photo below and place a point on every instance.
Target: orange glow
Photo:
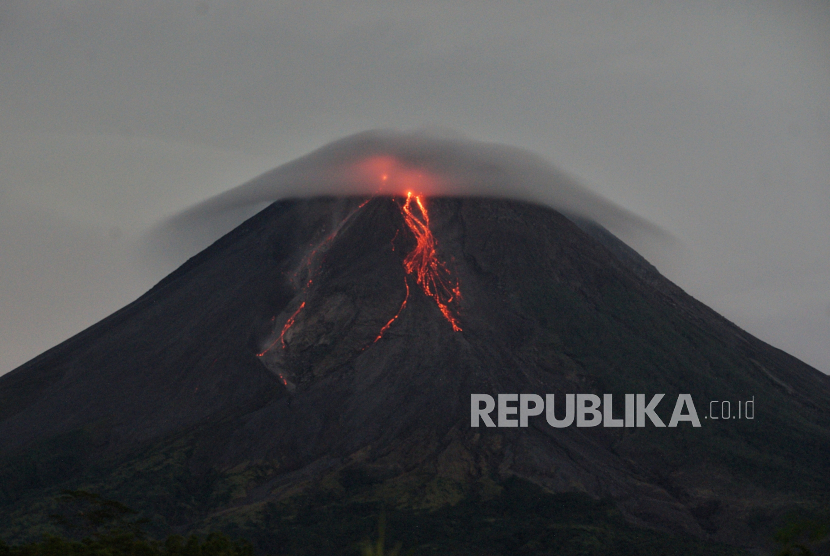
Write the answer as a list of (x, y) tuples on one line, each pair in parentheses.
[(393, 319), (312, 257), (289, 323), (431, 274), (285, 328), (422, 262), (387, 175)]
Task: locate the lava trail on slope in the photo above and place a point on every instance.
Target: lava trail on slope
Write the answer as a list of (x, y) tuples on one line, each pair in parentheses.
[(421, 263)]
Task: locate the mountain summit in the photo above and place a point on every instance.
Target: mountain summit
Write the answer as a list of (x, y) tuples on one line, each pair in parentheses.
[(317, 363)]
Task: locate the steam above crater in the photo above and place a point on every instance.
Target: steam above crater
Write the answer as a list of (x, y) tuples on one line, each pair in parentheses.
[(395, 163)]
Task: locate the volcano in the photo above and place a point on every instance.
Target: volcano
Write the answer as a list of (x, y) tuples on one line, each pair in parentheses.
[(316, 365)]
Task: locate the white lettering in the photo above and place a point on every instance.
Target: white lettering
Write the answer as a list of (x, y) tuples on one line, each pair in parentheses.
[(569, 412), (677, 415), (526, 411), (477, 412), (505, 410), (607, 413), (643, 410), (583, 409)]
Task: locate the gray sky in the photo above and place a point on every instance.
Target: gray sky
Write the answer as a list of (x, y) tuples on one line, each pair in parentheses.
[(710, 120)]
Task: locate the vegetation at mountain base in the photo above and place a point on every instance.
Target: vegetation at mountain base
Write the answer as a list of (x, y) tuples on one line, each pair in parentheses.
[(378, 547), (514, 517), (802, 536), (121, 543), (95, 526)]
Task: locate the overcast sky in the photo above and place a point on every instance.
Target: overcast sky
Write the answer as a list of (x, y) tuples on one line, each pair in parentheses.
[(710, 120)]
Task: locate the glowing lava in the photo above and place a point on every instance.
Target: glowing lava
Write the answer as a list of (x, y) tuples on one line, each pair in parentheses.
[(422, 263), (285, 328), (310, 260), (431, 274), (393, 319)]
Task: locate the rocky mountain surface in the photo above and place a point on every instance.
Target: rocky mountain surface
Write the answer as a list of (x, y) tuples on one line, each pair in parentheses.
[(319, 360)]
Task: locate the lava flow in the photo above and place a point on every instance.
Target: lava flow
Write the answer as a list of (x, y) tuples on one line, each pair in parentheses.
[(393, 319), (430, 273), (309, 261), (285, 328), (422, 263)]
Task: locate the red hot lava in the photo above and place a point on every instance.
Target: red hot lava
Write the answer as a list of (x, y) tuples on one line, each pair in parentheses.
[(422, 263), (393, 319), (430, 273), (288, 324)]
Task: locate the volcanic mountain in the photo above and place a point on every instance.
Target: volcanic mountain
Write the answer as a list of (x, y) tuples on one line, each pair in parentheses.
[(316, 364)]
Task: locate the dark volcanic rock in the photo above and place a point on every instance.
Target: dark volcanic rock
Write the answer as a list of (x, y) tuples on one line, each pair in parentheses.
[(547, 307)]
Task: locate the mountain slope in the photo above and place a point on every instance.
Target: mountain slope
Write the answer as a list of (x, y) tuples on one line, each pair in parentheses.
[(281, 369)]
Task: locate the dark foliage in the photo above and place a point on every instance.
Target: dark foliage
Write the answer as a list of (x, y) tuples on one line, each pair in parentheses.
[(124, 543)]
